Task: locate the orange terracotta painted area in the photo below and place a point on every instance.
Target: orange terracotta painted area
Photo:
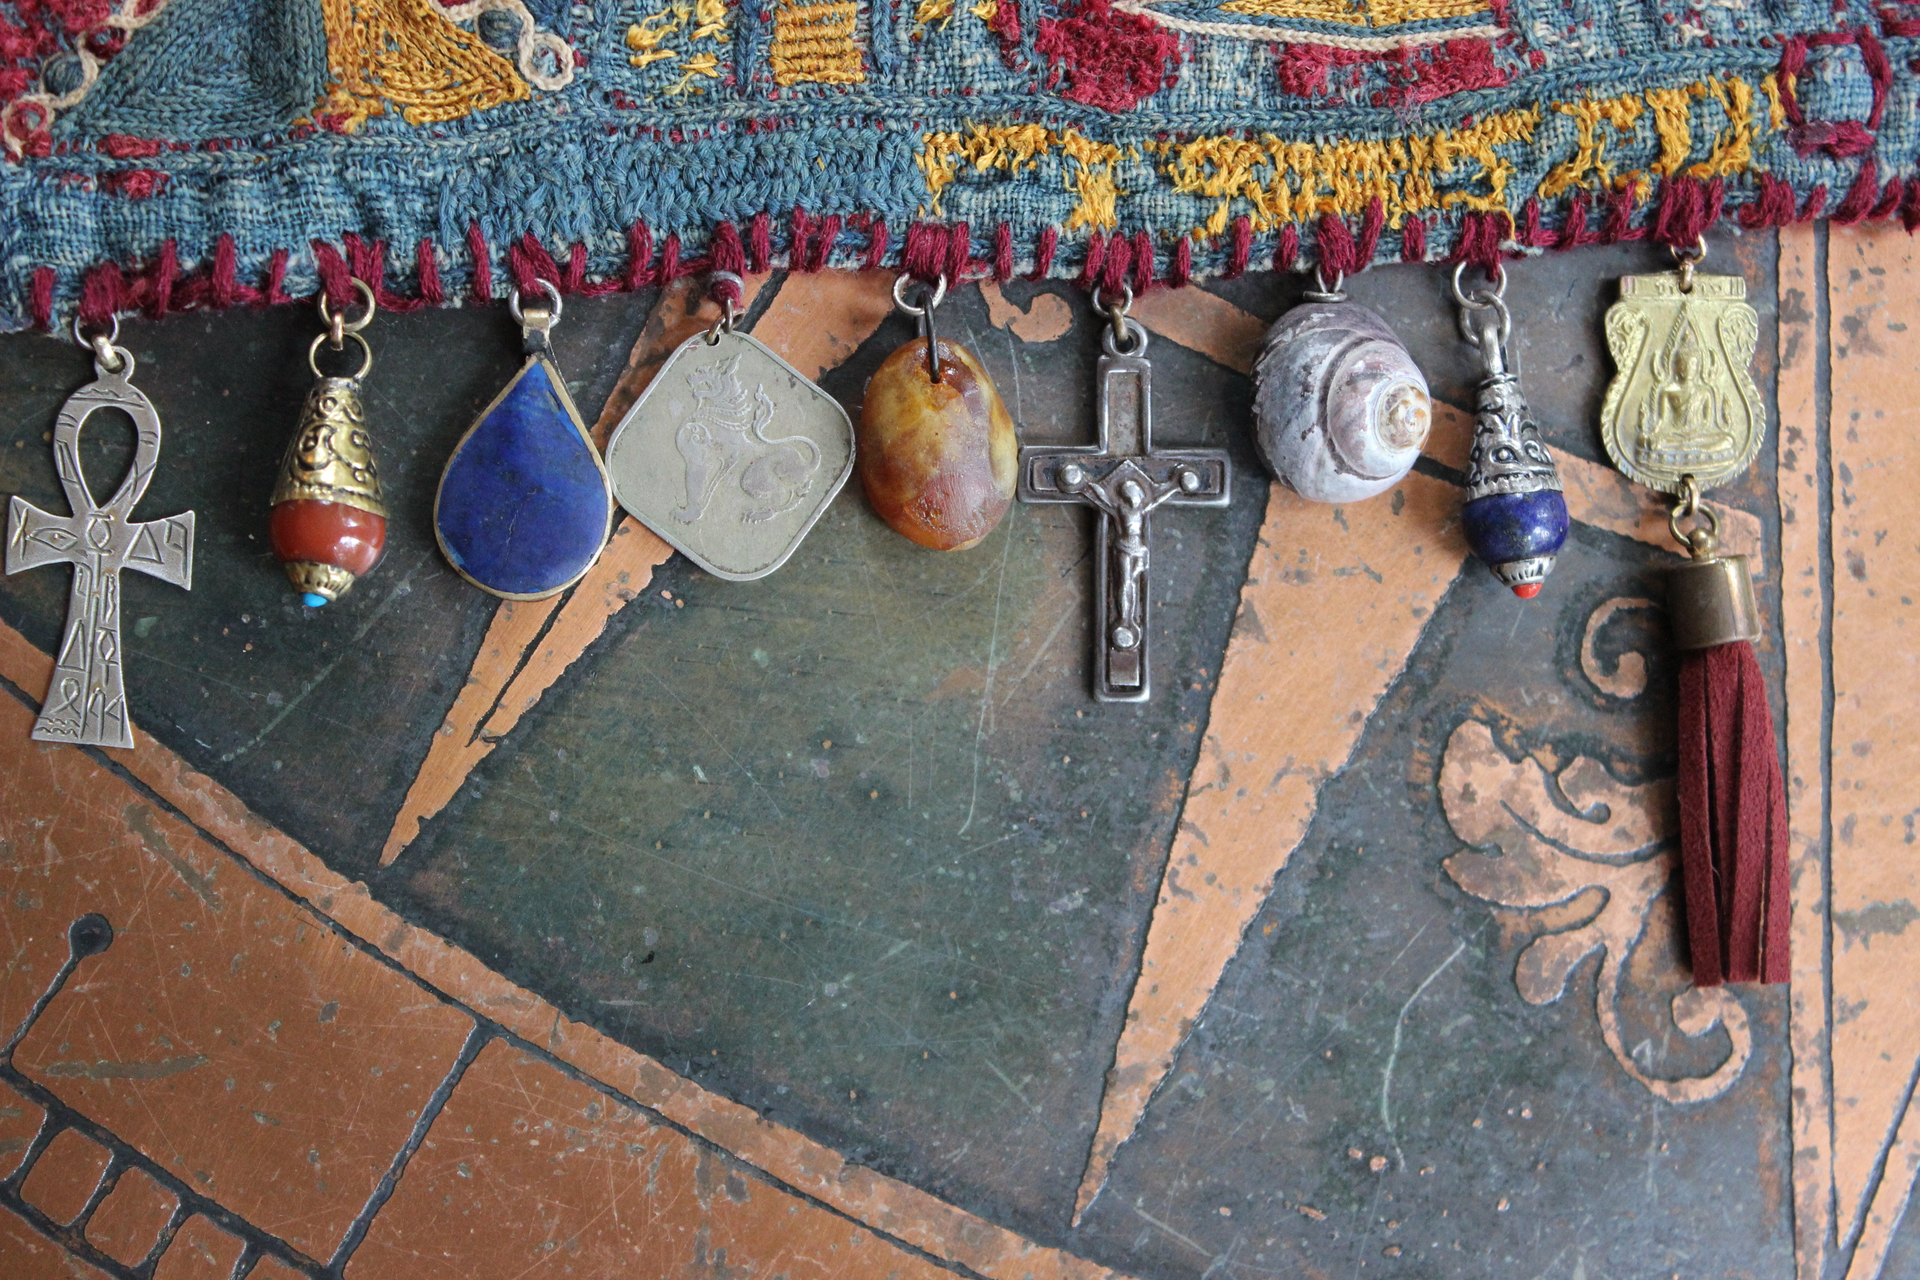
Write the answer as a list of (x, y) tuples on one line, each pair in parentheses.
[(1044, 319), (65, 1176), (1874, 295), (881, 1203), (818, 320), (129, 1221), (20, 1120), (31, 1256), (1203, 322), (227, 1034), (1350, 610), (199, 1251), (532, 1174), (1802, 627)]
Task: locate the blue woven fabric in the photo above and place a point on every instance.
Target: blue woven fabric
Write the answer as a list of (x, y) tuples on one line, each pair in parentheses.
[(1228, 128)]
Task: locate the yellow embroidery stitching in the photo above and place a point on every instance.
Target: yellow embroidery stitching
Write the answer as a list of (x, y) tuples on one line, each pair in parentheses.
[(1283, 182), (1275, 182), (1359, 13), (815, 44), (710, 21), (1588, 115), (1673, 122), (406, 53), (1732, 150), (930, 12), (645, 36), (648, 40), (1776, 109), (1012, 148)]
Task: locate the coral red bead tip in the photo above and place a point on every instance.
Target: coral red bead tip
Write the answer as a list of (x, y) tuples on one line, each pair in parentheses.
[(1527, 590)]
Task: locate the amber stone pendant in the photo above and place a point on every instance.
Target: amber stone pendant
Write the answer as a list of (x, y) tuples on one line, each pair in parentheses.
[(329, 523), (938, 457)]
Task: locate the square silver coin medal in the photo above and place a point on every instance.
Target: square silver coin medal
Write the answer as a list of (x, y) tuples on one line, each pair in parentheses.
[(730, 455)]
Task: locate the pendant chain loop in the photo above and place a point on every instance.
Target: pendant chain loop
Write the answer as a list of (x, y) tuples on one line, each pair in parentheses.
[(929, 299)]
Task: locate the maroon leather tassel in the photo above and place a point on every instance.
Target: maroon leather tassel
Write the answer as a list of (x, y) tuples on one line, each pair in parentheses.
[(1733, 821)]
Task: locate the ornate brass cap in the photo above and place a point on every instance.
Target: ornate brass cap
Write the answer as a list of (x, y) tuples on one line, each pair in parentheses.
[(330, 458), (328, 581)]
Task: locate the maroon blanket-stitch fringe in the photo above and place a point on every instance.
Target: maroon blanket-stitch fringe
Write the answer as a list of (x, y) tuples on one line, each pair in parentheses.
[(1684, 209)]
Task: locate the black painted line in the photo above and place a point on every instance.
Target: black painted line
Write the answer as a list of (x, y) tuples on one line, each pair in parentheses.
[(1841, 1236), (477, 1039)]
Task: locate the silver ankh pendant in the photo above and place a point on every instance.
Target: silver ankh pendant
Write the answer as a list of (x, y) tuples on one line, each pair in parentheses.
[(86, 705)]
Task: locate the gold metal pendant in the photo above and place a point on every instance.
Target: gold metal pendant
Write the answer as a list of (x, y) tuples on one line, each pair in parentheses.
[(1682, 402)]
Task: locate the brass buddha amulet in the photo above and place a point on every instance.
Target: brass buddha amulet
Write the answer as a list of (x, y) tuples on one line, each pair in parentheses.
[(1682, 402)]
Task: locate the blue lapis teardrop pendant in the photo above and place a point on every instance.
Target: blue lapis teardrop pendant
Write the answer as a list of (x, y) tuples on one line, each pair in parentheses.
[(1515, 518), (524, 505)]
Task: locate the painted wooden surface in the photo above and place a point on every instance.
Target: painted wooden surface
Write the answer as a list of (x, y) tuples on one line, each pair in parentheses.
[(825, 925)]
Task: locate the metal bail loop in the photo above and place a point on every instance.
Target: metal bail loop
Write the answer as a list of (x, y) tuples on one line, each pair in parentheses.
[(1325, 291), (729, 313), (929, 299), (536, 322)]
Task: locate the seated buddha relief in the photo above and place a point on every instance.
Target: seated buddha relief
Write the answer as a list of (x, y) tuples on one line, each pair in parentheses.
[(1683, 424)]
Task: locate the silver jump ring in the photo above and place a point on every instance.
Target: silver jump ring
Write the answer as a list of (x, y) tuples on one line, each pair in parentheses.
[(1480, 299), (103, 345), (1116, 312), (1490, 300), (1134, 330), (338, 326), (366, 357), (1335, 292), (927, 302), (554, 307), (729, 315)]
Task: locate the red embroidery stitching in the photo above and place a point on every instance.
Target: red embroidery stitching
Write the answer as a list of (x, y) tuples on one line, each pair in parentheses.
[(1108, 60)]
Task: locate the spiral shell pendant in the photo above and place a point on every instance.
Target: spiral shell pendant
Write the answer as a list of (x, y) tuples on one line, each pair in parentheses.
[(1340, 409)]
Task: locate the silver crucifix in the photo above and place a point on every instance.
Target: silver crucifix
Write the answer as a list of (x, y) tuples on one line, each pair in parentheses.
[(1125, 478), (86, 704)]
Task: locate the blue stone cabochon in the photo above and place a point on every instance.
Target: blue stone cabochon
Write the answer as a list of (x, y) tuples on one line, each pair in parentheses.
[(524, 506), (1504, 527)]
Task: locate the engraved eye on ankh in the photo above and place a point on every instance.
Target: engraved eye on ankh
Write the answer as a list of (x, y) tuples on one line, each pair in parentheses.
[(86, 705), (1125, 478)]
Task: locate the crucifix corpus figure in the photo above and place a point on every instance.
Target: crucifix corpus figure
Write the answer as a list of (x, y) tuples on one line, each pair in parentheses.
[(1125, 478), (86, 705)]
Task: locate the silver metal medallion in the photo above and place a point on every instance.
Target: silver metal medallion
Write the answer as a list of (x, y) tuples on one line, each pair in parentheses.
[(731, 455)]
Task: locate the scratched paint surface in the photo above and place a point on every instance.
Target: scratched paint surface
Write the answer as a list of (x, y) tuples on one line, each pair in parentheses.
[(851, 843), (1370, 1050), (852, 846)]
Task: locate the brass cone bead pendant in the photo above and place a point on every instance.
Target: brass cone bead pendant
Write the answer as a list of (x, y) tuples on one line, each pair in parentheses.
[(329, 522)]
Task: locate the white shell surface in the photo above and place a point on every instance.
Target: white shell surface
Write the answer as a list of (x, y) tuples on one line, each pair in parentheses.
[(1340, 409)]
